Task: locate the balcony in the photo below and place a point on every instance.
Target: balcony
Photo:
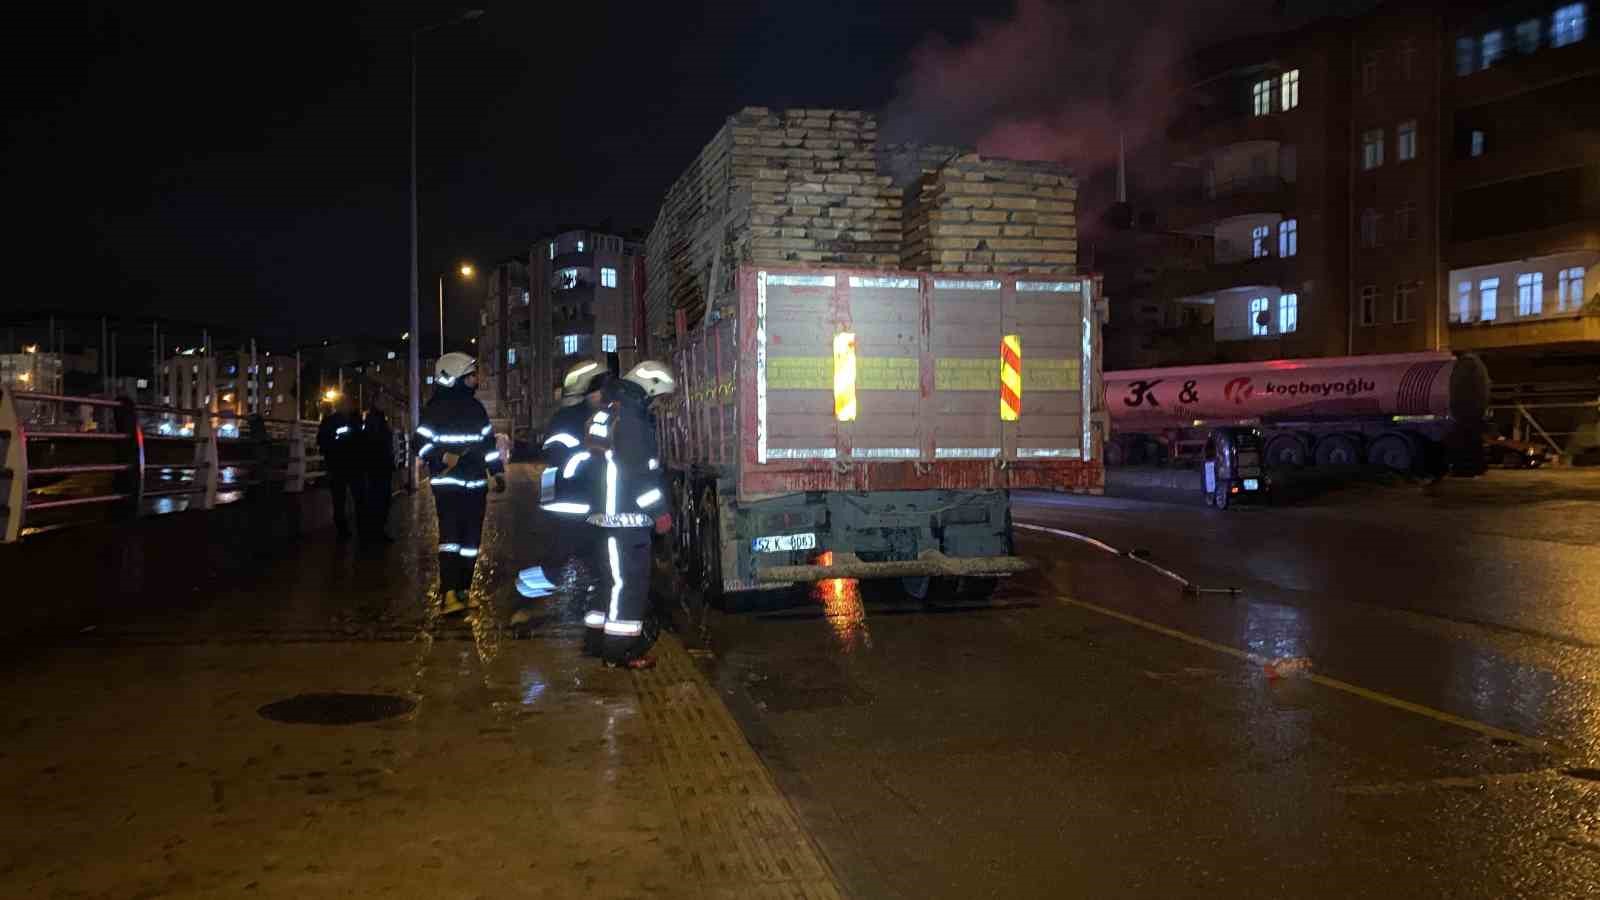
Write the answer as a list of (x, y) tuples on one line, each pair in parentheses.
[(1516, 75), (1547, 332), (1199, 131), (1272, 271), (1198, 206), (1570, 150)]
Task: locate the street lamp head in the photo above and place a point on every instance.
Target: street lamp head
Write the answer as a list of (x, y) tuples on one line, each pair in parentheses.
[(467, 270)]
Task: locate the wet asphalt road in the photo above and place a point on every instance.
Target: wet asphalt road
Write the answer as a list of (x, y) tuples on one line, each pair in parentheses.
[(1087, 733)]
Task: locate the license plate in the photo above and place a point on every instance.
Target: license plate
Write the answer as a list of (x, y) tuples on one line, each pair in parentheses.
[(784, 543), (1252, 484)]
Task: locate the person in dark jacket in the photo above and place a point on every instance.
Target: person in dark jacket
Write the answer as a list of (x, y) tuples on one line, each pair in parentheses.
[(377, 463), (630, 499), (458, 447), (339, 438)]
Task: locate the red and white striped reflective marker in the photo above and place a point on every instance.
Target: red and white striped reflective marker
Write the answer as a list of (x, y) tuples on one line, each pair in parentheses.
[(1010, 378)]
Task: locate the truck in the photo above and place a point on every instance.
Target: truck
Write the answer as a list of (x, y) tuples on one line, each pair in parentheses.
[(1403, 411), (872, 424)]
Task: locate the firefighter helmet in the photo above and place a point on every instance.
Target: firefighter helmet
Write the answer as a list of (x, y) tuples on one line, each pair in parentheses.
[(655, 377), (452, 367), (580, 380)]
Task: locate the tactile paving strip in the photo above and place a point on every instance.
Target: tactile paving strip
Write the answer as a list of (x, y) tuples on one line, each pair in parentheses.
[(744, 838)]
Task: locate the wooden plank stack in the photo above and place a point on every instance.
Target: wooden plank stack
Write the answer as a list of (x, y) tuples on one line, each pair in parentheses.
[(811, 186)]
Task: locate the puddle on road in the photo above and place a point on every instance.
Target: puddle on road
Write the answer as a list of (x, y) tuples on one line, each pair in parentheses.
[(336, 709)]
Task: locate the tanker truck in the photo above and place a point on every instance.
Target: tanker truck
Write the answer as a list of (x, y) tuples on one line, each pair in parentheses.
[(1403, 411)]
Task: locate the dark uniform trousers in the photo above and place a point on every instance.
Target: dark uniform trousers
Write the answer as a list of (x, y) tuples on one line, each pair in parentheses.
[(461, 511)]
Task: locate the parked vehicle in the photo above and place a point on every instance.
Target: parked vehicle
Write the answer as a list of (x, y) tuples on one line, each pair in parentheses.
[(1402, 411), (1511, 454), (871, 424), (1232, 467)]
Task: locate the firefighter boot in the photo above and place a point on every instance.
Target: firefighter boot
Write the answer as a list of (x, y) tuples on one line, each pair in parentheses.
[(450, 604)]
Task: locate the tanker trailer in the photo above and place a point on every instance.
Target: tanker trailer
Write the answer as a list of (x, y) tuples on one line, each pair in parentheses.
[(1412, 412)]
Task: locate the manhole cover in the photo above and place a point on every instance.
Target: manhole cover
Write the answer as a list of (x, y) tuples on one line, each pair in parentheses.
[(336, 709), (1586, 774)]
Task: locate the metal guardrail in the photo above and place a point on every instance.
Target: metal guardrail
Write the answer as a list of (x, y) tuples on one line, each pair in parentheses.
[(132, 460)]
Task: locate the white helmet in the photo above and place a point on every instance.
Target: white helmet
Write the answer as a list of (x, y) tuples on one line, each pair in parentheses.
[(452, 367), (655, 377), (579, 381)]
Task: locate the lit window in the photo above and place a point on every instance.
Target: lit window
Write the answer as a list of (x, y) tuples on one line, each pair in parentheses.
[(1404, 294), (1405, 140), (608, 278), (1371, 225), (1488, 298), (552, 249), (511, 356), (1494, 48), (1369, 74), (1466, 55), (569, 343), (1530, 293), (280, 396), (1260, 317), (1528, 36), (143, 383), (269, 370), (524, 298), (608, 343), (1289, 237), (1258, 241), (1288, 313), (1369, 305), (1569, 24), (1372, 149), (270, 384), (1464, 302), (1570, 289), (580, 246), (1289, 89), (1261, 98), (429, 379), (566, 279), (1405, 222), (391, 354)]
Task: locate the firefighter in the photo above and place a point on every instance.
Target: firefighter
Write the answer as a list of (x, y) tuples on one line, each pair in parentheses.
[(339, 439), (562, 491), (630, 498), (458, 448)]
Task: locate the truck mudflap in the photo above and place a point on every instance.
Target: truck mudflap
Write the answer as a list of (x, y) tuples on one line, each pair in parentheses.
[(930, 563)]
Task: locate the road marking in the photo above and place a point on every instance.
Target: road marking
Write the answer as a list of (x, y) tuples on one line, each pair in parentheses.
[(1454, 782), (1437, 715)]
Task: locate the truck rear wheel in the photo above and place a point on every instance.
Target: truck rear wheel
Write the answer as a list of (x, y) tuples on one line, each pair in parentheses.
[(1287, 450), (1338, 450), (1392, 451)]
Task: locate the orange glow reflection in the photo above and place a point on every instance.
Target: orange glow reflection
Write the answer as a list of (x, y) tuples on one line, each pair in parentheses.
[(841, 606)]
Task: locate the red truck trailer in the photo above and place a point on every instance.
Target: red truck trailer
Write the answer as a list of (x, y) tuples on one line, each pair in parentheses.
[(1399, 410), (853, 423)]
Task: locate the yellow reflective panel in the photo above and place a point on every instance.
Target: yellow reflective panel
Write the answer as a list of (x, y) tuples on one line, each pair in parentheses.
[(844, 376), (1010, 378)]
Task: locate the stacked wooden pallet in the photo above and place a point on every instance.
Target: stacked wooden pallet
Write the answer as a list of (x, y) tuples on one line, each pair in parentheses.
[(810, 186), (980, 215)]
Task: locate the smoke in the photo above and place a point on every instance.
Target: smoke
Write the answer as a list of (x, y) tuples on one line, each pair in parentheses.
[(1059, 81)]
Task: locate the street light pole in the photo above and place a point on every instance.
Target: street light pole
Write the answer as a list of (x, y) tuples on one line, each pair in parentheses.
[(441, 315)]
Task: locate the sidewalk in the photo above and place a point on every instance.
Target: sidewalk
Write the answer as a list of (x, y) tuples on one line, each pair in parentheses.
[(138, 764)]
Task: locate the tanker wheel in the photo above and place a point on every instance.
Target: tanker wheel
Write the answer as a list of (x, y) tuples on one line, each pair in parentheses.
[(684, 537), (1338, 450), (1219, 497), (708, 548), (1116, 452), (1287, 450), (1392, 451)]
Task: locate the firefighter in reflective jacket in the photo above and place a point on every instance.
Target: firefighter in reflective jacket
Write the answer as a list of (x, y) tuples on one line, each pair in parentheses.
[(458, 447), (630, 498), (563, 492)]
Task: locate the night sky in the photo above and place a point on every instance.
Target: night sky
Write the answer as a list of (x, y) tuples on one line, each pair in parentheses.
[(248, 170)]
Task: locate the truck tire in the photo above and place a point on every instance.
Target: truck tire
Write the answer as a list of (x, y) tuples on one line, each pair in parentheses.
[(1394, 452), (1338, 450), (1116, 452), (1287, 450)]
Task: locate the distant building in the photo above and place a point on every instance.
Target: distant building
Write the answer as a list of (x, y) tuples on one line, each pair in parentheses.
[(505, 346), (586, 302), (233, 381)]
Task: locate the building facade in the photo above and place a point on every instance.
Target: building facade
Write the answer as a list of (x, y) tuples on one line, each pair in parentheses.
[(235, 381), (586, 302), (505, 346)]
